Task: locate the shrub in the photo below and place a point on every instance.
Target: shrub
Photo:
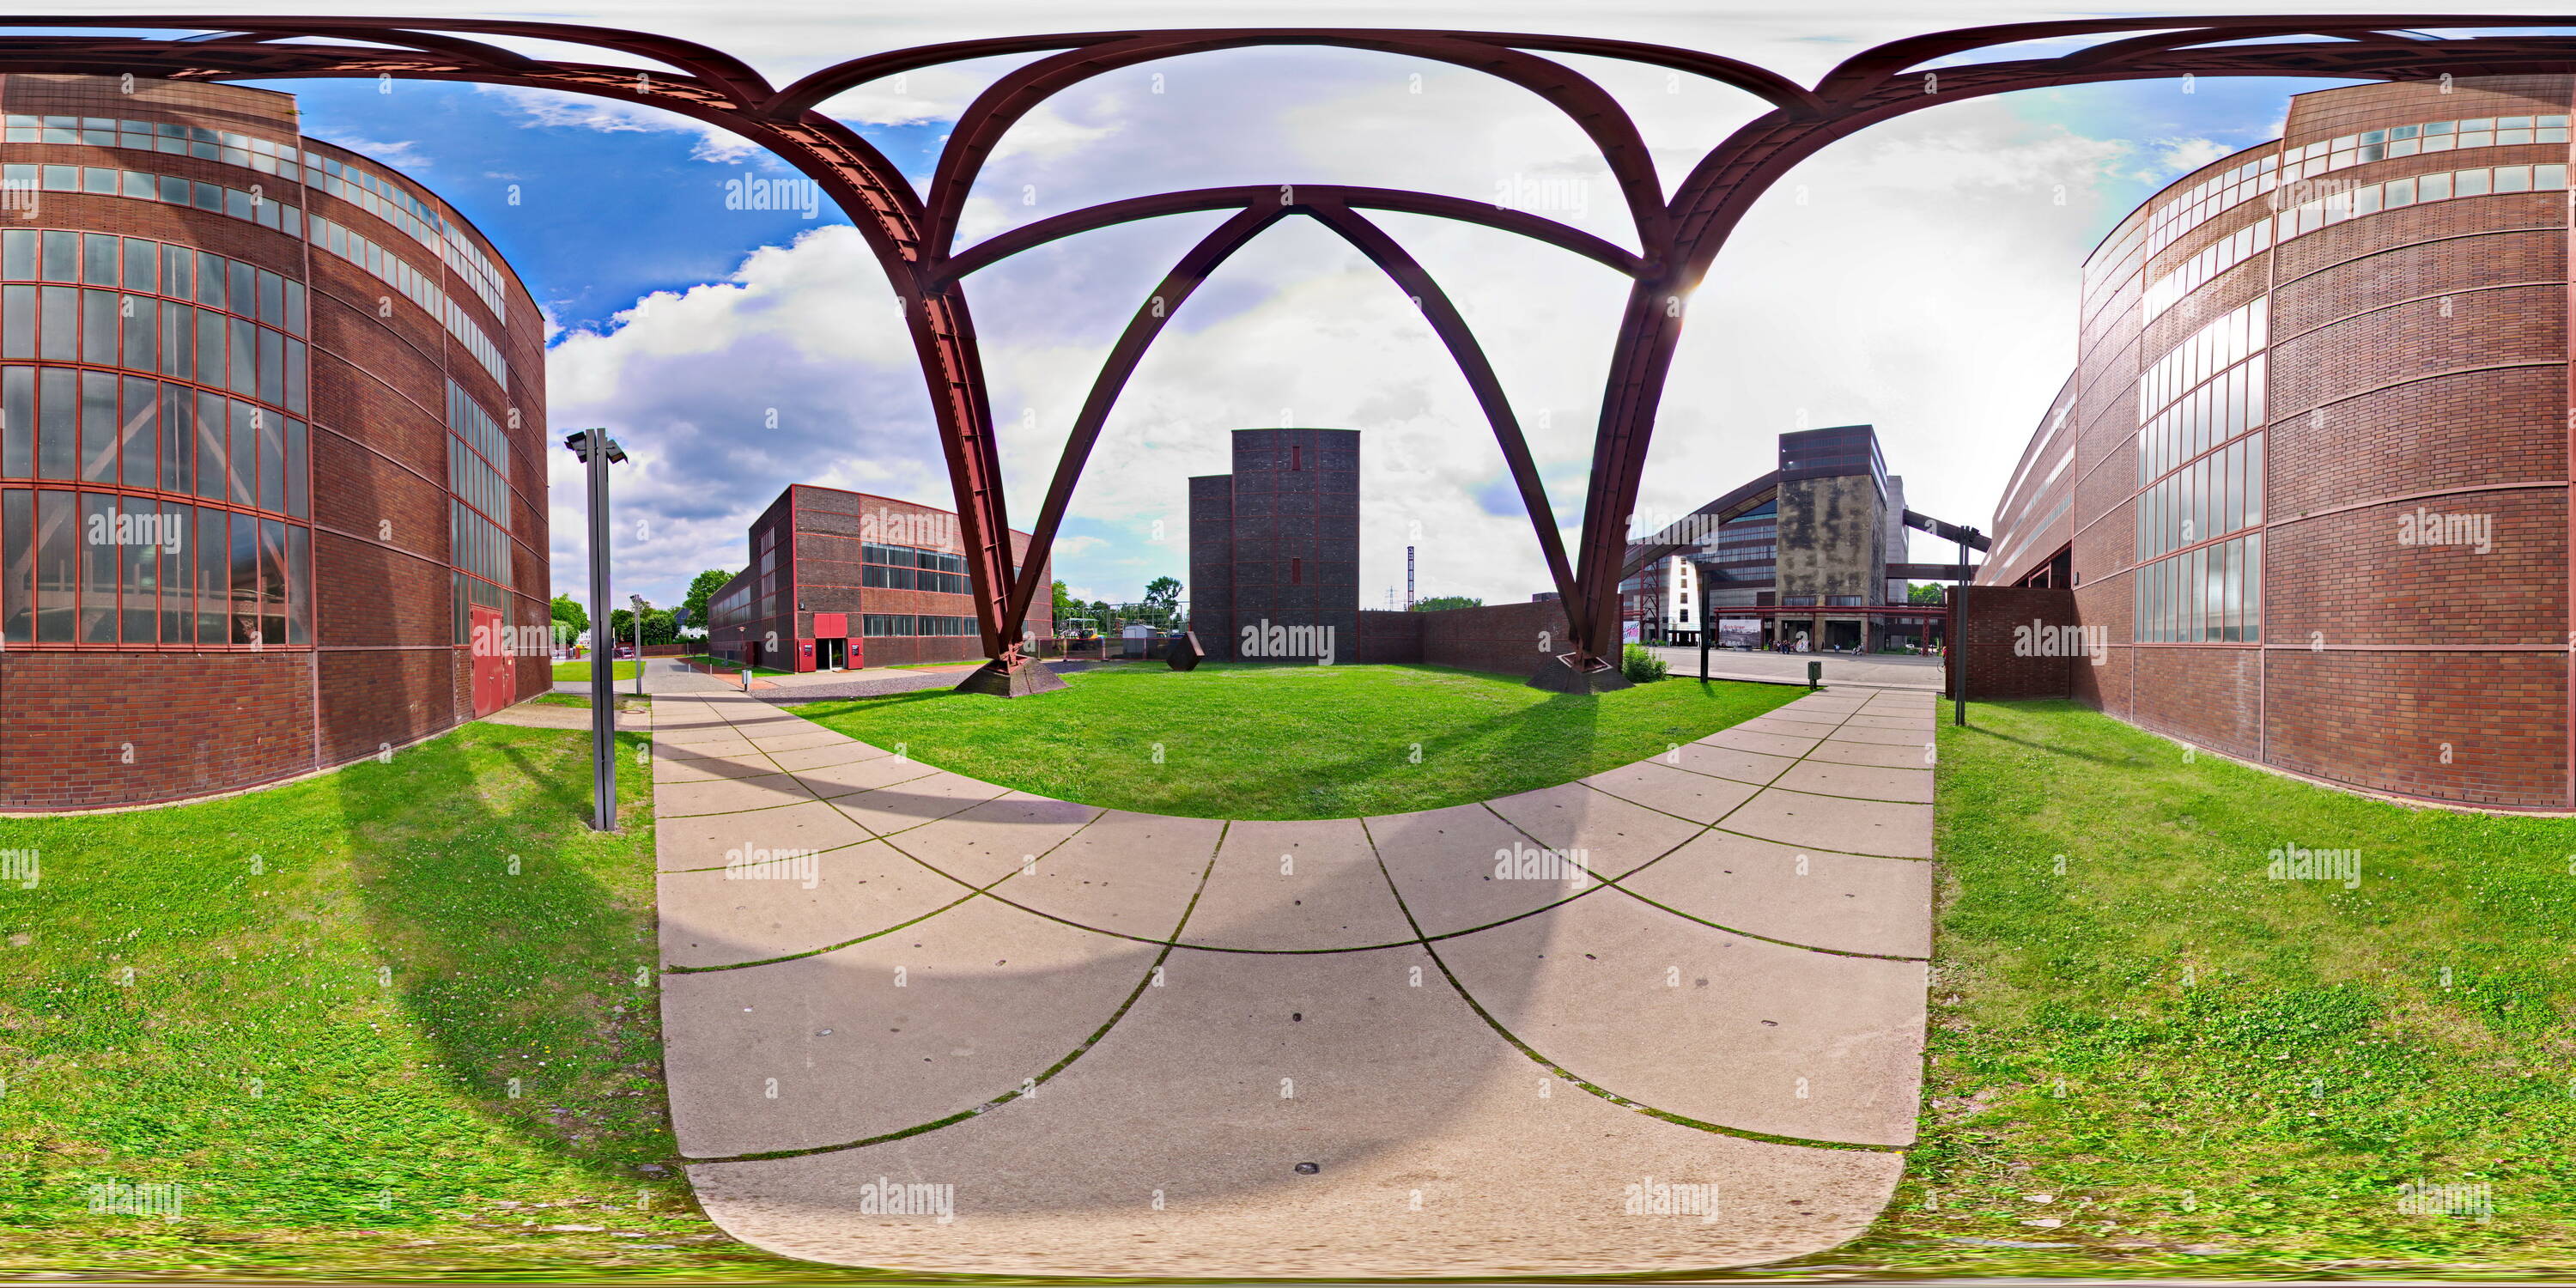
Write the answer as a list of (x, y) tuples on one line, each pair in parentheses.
[(1640, 664)]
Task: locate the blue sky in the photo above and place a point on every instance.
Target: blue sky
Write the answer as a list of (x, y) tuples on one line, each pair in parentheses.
[(1848, 303)]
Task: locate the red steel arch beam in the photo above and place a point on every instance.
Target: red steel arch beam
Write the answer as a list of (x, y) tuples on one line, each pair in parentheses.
[(1194, 267), (1016, 94), (1566, 237)]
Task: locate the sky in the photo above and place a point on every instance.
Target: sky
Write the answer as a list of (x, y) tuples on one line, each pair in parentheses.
[(1920, 277)]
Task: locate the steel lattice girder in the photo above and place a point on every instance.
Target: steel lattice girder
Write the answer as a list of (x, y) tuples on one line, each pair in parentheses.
[(911, 234)]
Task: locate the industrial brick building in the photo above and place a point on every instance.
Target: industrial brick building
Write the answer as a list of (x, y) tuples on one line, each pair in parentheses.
[(1814, 548), (839, 580), (1275, 548), (2308, 483), (272, 470)]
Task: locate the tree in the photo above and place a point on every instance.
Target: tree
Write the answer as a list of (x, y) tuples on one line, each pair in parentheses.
[(1065, 604), (1435, 603), (568, 609), (1162, 603), (702, 589), (1927, 592), (659, 626)]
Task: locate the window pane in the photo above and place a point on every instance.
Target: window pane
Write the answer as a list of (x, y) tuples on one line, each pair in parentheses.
[(244, 375), (98, 426), (18, 255), (141, 446), (179, 264), (299, 583), (295, 375), (98, 327), (142, 265), (272, 458), (212, 561), (177, 621), (245, 289), (18, 422), (295, 467), (272, 367), (57, 422), (210, 446), (61, 323), (178, 340), (272, 298), (177, 442), (18, 322), (210, 347), (98, 573), (142, 333), (242, 474), (57, 566), (272, 581), (245, 577), (98, 259), (18, 566), (210, 279), (139, 582)]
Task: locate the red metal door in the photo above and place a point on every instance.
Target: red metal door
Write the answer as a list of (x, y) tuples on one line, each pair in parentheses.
[(495, 678)]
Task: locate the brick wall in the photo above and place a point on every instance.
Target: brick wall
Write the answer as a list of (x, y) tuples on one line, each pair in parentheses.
[(84, 730), (1388, 637), (2006, 657), (1507, 639)]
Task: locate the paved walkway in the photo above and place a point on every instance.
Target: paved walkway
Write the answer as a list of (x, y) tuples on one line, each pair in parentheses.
[(918, 1021), (1856, 670), (537, 716)]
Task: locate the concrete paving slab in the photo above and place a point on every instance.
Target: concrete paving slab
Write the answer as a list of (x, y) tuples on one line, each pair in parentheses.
[(1836, 823), (914, 801), (887, 1034), (1769, 744), (1865, 782), (682, 844), (1462, 867), (1673, 790), (1171, 1149), (1289, 887), (1915, 756), (1127, 873), (1602, 832), (676, 765), (1917, 723), (848, 751), (1792, 728), (776, 905), (1714, 1026), (1726, 762), (1851, 903), (727, 795), (712, 747), (866, 774), (984, 843), (798, 739), (1882, 737)]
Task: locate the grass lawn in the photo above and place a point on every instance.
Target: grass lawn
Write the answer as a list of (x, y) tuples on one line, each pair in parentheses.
[(2186, 1054), (1277, 742), (389, 1022), (580, 671)]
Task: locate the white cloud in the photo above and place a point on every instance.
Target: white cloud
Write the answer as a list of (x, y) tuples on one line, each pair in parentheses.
[(552, 108), (2182, 156), (402, 154)]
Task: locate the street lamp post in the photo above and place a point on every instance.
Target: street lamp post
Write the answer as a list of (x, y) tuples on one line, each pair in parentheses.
[(596, 450), (641, 608)]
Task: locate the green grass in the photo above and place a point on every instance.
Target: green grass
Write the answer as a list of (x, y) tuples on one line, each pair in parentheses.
[(2186, 1053), (306, 1006), (1277, 742), (580, 671)]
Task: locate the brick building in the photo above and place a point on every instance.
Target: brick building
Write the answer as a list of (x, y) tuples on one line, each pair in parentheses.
[(841, 580), (272, 462), (2308, 480), (1275, 548), (1815, 547)]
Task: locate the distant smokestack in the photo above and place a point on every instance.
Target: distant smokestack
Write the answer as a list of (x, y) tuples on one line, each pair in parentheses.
[(1408, 579)]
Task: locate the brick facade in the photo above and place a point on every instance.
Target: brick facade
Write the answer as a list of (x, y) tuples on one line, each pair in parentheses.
[(2417, 369), (1277, 541), (383, 665)]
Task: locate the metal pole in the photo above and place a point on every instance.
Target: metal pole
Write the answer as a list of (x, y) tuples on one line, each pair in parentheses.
[(1959, 646), (1703, 638), (639, 645), (603, 649)]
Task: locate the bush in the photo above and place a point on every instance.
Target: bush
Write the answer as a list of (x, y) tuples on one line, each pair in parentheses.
[(1640, 664)]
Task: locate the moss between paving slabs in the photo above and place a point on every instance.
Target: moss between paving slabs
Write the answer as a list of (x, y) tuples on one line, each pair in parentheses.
[(1282, 742), (2207, 1070)]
